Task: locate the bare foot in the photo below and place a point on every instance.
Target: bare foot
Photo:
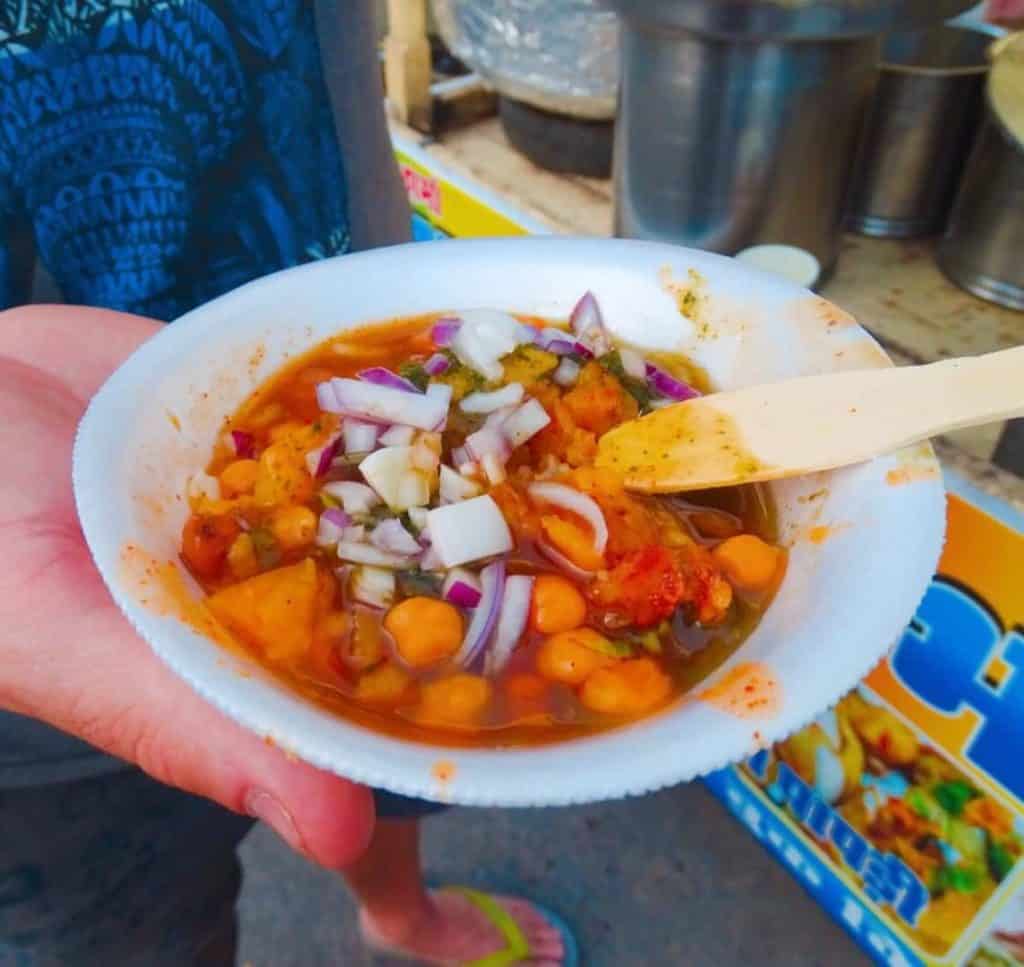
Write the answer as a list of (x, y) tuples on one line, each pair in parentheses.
[(453, 931)]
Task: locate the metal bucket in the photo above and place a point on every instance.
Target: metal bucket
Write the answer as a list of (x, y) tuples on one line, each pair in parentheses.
[(983, 248), (739, 119), (922, 123)]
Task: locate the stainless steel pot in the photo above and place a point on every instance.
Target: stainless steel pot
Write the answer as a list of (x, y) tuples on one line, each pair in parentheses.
[(920, 129), (983, 248), (738, 119)]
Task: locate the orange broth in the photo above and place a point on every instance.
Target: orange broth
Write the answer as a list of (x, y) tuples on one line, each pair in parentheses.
[(662, 598)]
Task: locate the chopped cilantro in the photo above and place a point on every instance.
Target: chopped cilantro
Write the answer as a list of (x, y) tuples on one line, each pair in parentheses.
[(1000, 861), (415, 373), (415, 583), (268, 554), (612, 363), (603, 646)]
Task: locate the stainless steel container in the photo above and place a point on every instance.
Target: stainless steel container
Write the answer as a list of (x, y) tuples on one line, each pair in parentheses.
[(738, 119), (983, 248), (921, 125)]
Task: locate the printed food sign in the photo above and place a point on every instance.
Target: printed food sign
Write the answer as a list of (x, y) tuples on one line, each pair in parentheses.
[(903, 808)]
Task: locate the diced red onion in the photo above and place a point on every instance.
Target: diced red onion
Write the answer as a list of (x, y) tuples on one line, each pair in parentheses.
[(331, 527), (581, 349), (468, 531), (665, 384), (558, 558), (373, 586), (318, 462), (444, 330), (485, 616), (368, 554), (436, 365), (382, 376), (559, 495), (356, 498), (481, 402), (453, 487), (562, 347), (359, 436), (397, 436), (588, 324), (515, 609), (391, 536), (460, 456), (567, 373), (461, 588), (525, 422), (633, 363), (382, 404), (245, 446)]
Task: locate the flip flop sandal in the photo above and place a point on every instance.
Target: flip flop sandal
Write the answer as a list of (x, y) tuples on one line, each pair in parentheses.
[(516, 950)]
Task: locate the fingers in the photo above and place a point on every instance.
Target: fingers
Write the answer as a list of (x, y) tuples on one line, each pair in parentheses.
[(79, 346), (103, 684)]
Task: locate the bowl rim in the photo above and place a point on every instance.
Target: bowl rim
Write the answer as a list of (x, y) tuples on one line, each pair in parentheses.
[(498, 787)]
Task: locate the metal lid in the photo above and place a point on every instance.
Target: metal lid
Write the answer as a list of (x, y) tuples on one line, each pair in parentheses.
[(1006, 85), (792, 18)]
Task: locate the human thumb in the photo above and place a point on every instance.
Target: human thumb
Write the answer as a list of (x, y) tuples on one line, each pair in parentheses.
[(110, 690)]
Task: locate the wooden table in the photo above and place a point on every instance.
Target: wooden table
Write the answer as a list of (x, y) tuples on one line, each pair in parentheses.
[(893, 288)]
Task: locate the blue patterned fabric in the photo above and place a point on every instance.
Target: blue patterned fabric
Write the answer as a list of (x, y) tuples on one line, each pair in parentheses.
[(156, 153)]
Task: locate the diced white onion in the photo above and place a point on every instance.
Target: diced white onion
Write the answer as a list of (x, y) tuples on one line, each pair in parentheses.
[(397, 436), (468, 531), (633, 364), (525, 422), (355, 497), (373, 586), (508, 395), (368, 554), (567, 373), (382, 404), (391, 536), (360, 437), (391, 473), (454, 487)]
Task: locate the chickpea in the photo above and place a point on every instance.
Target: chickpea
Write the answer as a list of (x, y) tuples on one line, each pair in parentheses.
[(557, 605), (748, 562), (571, 656), (294, 527), (455, 700), (425, 630), (242, 558), (385, 685), (239, 477), (629, 688)]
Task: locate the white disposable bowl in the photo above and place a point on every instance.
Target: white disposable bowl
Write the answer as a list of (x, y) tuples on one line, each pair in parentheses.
[(863, 541)]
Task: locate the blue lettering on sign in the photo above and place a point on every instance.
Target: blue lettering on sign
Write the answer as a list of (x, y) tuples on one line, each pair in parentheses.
[(866, 927), (943, 657), (886, 878)]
